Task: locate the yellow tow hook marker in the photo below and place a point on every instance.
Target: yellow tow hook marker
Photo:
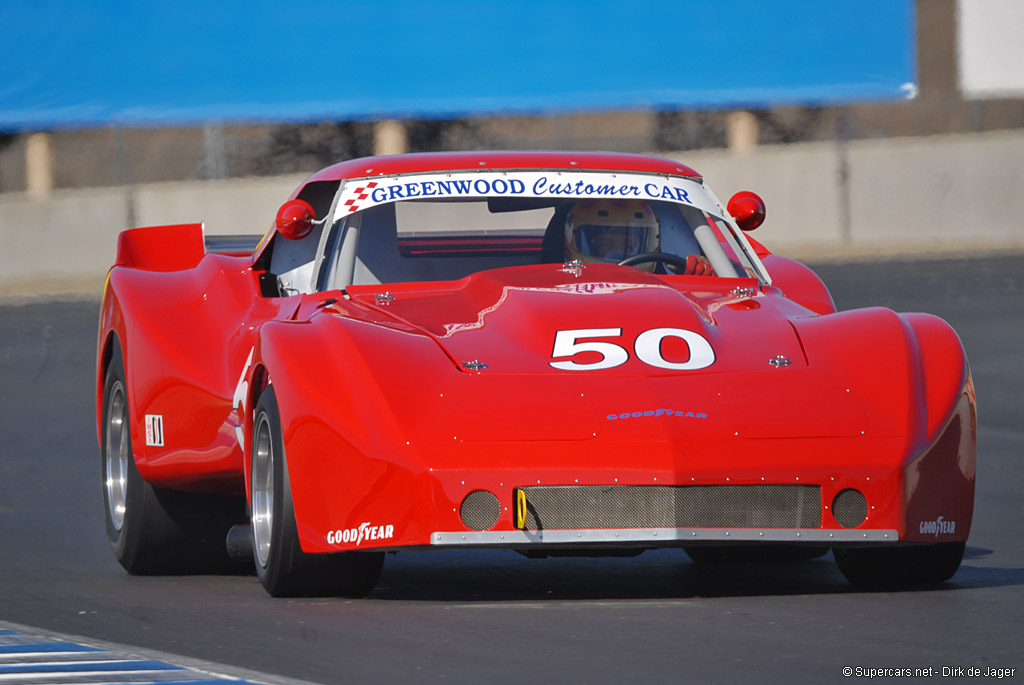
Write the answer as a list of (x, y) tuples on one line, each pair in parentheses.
[(520, 522)]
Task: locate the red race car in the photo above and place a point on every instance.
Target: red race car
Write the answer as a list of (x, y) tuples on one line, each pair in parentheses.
[(551, 352)]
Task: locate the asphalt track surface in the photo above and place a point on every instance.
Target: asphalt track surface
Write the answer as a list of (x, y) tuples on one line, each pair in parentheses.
[(497, 616)]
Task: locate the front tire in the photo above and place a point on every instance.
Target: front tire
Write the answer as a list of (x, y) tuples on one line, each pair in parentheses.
[(283, 568), (154, 530), (927, 564)]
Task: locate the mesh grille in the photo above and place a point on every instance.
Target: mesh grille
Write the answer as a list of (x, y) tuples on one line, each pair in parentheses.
[(682, 506), (850, 508), (480, 510)]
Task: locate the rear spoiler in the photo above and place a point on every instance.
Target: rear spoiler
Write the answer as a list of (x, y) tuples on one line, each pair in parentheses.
[(177, 247), (161, 248)]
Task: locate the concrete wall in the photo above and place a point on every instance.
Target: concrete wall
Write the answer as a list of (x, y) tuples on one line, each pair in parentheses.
[(67, 241), (890, 197), (896, 196)]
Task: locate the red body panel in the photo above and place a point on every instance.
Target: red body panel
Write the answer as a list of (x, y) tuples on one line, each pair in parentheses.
[(385, 425)]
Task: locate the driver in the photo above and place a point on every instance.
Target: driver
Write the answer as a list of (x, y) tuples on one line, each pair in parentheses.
[(602, 231)]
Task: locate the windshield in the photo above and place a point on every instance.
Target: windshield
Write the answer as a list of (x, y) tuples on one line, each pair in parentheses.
[(439, 227)]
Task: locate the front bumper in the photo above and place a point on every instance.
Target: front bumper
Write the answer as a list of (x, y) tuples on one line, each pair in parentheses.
[(821, 492)]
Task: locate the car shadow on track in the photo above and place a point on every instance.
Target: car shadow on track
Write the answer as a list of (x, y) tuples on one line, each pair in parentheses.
[(489, 576)]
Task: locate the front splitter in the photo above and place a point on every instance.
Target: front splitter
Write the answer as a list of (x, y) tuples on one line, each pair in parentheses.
[(659, 536)]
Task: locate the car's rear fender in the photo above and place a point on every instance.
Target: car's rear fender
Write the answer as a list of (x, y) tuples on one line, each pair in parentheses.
[(148, 313)]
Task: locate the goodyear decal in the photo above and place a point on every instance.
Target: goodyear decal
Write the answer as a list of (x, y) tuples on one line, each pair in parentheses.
[(655, 413), (939, 526), (364, 531)]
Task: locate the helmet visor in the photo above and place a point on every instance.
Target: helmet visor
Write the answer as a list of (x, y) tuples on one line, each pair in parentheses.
[(613, 243)]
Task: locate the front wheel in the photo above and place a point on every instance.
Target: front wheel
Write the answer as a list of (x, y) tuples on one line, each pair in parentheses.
[(283, 568), (927, 564)]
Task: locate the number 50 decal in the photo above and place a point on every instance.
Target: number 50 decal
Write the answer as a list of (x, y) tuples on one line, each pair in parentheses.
[(647, 347)]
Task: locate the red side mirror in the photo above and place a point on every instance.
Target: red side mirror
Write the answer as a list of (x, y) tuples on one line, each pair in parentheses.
[(295, 219), (748, 210)]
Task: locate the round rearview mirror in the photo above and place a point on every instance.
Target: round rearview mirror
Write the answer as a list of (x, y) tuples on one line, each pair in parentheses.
[(295, 219), (748, 210)]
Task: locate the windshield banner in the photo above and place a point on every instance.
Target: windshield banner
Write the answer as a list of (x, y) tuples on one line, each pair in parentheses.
[(360, 194)]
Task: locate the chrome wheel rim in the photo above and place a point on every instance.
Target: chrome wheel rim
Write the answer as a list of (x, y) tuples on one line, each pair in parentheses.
[(116, 456), (262, 491)]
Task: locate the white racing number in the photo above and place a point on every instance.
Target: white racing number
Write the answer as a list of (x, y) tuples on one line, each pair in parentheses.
[(647, 347), (566, 346)]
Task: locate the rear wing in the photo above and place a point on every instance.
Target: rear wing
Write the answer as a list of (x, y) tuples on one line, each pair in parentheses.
[(161, 248), (176, 247)]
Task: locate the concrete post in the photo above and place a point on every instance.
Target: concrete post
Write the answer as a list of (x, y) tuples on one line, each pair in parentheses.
[(389, 138), (215, 159), (39, 165), (741, 131)]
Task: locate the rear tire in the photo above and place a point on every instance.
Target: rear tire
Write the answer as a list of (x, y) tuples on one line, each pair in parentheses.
[(154, 530), (892, 566), (283, 568)]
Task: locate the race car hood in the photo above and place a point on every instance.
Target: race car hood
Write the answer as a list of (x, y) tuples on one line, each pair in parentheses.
[(601, 319), (484, 359)]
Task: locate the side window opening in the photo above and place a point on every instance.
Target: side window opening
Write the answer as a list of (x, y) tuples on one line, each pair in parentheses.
[(290, 270)]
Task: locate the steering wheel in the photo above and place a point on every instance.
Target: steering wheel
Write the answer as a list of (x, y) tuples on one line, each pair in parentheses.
[(656, 258)]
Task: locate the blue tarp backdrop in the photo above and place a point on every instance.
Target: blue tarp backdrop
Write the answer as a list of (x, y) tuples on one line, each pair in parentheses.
[(68, 63)]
